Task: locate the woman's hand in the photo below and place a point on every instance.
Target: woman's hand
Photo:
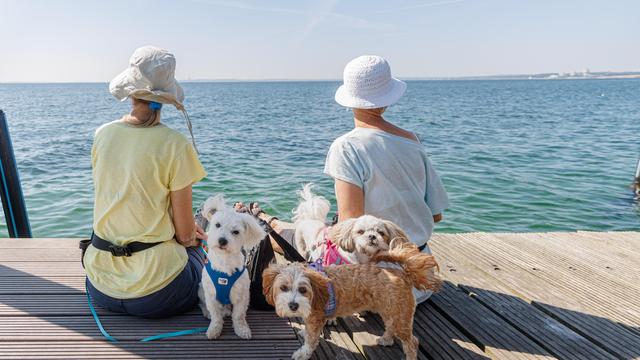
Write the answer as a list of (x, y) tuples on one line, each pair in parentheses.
[(200, 233), (188, 242)]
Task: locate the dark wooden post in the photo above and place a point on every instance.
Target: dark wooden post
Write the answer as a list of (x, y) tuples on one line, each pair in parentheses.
[(15, 211)]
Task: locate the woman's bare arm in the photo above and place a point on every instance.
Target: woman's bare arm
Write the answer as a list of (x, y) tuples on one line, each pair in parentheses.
[(187, 232), (350, 200)]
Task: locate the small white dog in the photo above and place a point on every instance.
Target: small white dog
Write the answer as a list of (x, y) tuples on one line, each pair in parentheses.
[(224, 289), (353, 241), (309, 221)]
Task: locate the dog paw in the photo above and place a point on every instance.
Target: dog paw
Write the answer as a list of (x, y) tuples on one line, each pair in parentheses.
[(243, 331), (382, 341), (303, 353), (205, 311), (302, 333), (213, 332)]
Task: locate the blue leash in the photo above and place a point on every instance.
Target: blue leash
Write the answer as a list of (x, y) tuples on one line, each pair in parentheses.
[(148, 338)]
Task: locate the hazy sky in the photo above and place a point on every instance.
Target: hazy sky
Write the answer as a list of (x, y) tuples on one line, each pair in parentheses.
[(64, 40)]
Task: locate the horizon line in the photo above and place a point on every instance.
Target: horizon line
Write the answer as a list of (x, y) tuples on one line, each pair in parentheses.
[(404, 78)]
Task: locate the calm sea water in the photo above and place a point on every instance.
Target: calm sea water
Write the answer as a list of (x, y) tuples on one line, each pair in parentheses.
[(514, 155)]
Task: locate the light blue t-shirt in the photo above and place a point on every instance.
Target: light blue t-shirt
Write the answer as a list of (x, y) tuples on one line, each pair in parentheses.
[(400, 184)]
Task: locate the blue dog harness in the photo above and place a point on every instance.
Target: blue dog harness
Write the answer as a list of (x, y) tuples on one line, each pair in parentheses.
[(223, 282), (332, 303)]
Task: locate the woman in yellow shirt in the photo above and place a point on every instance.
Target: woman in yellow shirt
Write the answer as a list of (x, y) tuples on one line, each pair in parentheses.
[(144, 259)]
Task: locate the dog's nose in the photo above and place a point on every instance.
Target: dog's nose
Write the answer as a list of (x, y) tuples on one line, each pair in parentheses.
[(223, 241), (372, 237), (293, 306)]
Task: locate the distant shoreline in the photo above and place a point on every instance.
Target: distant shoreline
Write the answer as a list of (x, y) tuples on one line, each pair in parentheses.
[(543, 76)]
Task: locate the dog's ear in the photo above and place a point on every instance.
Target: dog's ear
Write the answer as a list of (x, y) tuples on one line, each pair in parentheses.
[(213, 204), (319, 288), (268, 277), (341, 235), (255, 232), (397, 236)]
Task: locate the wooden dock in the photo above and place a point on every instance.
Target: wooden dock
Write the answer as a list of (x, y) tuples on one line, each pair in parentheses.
[(507, 296)]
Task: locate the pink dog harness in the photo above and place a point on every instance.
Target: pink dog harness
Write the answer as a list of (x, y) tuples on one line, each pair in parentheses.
[(331, 254)]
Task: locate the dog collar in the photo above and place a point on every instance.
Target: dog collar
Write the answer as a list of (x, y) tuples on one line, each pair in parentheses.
[(332, 303), (223, 282)]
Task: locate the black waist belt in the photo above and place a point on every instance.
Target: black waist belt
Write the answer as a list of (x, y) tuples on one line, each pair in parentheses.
[(117, 250)]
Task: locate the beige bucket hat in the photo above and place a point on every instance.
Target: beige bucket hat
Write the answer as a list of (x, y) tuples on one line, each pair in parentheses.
[(368, 84), (150, 76)]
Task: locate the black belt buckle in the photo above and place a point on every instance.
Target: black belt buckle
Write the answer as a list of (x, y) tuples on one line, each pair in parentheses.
[(119, 250)]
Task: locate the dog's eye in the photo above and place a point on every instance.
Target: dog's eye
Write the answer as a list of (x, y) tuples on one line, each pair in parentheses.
[(217, 225), (360, 232), (235, 232), (302, 290), (381, 233), (284, 288)]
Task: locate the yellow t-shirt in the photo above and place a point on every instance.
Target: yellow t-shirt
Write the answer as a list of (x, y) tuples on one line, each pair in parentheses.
[(134, 170)]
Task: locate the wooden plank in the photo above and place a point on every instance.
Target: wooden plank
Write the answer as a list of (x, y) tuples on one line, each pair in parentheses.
[(578, 261), (42, 285), (439, 339), (611, 244), (39, 243), (41, 268), (552, 335), (164, 349), (365, 331), (623, 239), (334, 344), (604, 332), (53, 305), (609, 302), (606, 260), (264, 325), (8, 256), (493, 334), (46, 304)]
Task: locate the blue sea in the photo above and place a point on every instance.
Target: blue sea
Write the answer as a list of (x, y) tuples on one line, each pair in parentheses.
[(519, 156)]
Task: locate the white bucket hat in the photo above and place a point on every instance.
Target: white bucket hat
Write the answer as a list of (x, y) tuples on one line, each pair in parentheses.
[(151, 77), (368, 84)]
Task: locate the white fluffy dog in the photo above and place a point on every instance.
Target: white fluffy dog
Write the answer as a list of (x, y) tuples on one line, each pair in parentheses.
[(356, 240), (225, 282), (309, 221)]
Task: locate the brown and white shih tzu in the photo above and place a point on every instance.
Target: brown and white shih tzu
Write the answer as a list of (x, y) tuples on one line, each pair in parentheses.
[(353, 241), (323, 293), (358, 240)]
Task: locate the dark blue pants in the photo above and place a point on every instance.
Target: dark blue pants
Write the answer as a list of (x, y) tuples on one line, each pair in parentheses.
[(180, 296)]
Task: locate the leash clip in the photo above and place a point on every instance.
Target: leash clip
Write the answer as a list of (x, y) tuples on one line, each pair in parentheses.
[(119, 250)]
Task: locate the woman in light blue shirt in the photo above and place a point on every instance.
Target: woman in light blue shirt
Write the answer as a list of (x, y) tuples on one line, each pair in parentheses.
[(379, 168)]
